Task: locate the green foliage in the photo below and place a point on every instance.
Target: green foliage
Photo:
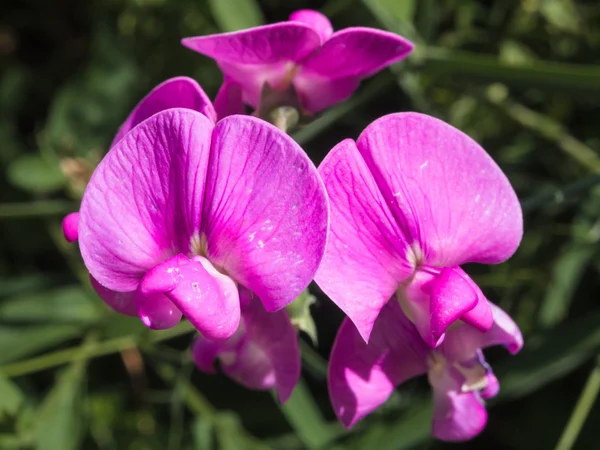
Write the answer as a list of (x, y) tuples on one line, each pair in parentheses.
[(233, 15), (11, 398), (300, 315), (522, 77), (32, 173), (60, 421)]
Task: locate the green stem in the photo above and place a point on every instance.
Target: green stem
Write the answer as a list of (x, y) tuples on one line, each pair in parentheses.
[(306, 419), (93, 350), (193, 399), (582, 409), (553, 76), (547, 128), (313, 361), (560, 195), (42, 208), (199, 405)]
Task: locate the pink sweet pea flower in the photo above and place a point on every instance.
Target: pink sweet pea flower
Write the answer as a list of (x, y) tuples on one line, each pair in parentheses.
[(362, 376), (263, 353), (178, 92), (323, 67), (183, 216), (411, 200)]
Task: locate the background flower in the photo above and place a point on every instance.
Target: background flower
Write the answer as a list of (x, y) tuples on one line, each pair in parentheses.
[(324, 67)]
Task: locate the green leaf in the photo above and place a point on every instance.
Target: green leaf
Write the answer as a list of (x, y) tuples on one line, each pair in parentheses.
[(560, 195), (65, 304), (566, 275), (558, 352), (233, 15), (19, 341), (40, 208), (29, 283), (60, 423), (86, 112), (34, 174), (562, 14), (515, 53), (227, 429), (299, 312), (411, 428), (392, 14), (11, 398), (203, 434), (542, 75), (306, 419), (10, 442)]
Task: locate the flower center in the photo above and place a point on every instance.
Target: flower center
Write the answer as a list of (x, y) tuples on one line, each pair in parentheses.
[(474, 377), (442, 374), (291, 69), (199, 245)]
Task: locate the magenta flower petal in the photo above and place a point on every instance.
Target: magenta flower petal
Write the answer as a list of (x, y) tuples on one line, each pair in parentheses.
[(156, 310), (262, 354), (447, 194), (481, 316), (451, 296), (208, 299), (318, 93), (314, 19), (179, 92), (362, 376), (457, 416), (434, 302), (206, 352), (492, 386), (145, 198), (267, 44), (463, 341), (122, 302), (258, 55), (269, 357), (266, 212), (357, 52), (70, 227), (229, 99), (365, 258)]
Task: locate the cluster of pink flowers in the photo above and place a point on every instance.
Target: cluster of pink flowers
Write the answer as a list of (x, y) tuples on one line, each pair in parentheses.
[(199, 210)]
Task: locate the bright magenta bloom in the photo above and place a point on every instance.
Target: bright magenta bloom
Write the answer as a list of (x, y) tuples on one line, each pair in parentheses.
[(411, 200), (324, 67), (362, 376), (263, 354), (184, 216), (178, 92)]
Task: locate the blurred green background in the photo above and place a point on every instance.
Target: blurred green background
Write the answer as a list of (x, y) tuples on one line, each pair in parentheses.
[(521, 77)]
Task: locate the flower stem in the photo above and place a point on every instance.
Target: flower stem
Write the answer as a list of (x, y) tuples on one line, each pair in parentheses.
[(201, 407), (285, 118), (582, 409), (88, 351), (41, 208)]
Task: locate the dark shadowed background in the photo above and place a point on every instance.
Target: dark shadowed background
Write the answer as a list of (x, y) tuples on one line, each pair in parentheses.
[(521, 77)]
